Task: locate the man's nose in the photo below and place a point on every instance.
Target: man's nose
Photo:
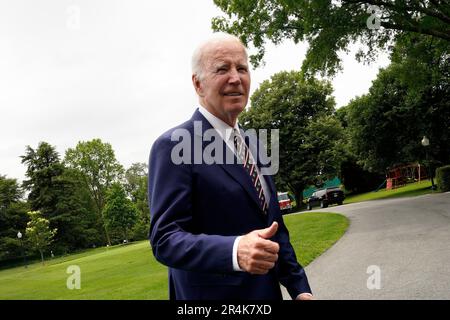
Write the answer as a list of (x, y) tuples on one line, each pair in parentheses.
[(235, 77)]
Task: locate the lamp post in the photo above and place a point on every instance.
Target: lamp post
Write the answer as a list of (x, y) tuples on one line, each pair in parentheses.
[(19, 235), (426, 143)]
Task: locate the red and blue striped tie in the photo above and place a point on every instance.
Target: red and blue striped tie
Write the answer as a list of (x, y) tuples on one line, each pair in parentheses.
[(243, 153)]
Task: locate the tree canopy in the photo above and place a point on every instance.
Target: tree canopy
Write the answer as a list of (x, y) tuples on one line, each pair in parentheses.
[(331, 26), (119, 212), (98, 164), (61, 196), (408, 100), (39, 234), (13, 217)]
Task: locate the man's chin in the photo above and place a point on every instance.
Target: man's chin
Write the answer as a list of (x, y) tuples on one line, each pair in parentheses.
[(235, 108)]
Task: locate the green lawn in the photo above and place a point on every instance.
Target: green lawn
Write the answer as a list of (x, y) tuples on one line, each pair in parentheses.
[(312, 233), (131, 271), (410, 190)]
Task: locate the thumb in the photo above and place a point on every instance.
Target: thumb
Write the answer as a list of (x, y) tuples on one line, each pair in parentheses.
[(269, 232)]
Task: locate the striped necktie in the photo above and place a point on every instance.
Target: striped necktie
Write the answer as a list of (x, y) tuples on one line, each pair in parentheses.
[(243, 153)]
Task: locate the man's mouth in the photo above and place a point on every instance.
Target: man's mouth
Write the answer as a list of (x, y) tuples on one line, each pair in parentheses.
[(233, 94)]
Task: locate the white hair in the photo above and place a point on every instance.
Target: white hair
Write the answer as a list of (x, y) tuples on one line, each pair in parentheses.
[(197, 56)]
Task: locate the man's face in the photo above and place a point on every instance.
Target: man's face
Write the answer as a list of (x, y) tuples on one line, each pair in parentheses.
[(225, 82)]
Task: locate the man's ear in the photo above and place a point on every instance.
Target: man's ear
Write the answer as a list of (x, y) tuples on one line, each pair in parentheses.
[(197, 85)]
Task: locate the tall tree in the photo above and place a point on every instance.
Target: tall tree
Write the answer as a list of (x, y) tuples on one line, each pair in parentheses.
[(78, 225), (331, 26), (135, 180), (119, 212), (136, 184), (55, 192), (353, 176), (43, 165), (97, 162), (13, 217), (308, 135), (388, 123), (39, 234)]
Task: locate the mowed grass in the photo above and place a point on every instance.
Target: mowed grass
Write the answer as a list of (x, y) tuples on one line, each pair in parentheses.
[(410, 190), (131, 272), (312, 233), (121, 272)]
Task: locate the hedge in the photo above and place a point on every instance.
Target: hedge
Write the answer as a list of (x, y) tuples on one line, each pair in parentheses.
[(443, 178)]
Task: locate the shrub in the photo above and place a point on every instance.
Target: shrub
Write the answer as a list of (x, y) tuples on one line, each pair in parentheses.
[(443, 178)]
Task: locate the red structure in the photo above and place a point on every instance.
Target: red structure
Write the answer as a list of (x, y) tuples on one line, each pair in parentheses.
[(401, 175)]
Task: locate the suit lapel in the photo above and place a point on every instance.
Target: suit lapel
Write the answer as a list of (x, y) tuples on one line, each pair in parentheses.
[(235, 170), (238, 173)]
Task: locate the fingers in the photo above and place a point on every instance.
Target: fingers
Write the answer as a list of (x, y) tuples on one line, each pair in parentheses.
[(261, 267), (259, 271), (265, 256), (267, 245)]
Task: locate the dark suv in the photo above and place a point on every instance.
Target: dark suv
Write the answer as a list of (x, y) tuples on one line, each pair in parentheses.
[(324, 197)]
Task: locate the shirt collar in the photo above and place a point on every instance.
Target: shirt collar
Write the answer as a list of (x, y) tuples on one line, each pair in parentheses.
[(221, 127)]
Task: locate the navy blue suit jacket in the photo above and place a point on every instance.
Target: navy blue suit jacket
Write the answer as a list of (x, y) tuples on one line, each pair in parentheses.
[(197, 211)]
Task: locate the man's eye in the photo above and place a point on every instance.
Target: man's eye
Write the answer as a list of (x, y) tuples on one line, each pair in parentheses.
[(221, 70)]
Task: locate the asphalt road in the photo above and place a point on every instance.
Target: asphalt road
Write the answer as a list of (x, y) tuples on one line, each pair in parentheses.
[(393, 249)]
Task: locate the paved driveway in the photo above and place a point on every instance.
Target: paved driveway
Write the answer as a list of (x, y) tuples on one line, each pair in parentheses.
[(405, 240)]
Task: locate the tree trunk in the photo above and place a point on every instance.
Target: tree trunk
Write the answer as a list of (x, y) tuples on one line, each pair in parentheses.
[(105, 229), (298, 193), (42, 256), (107, 234), (99, 203)]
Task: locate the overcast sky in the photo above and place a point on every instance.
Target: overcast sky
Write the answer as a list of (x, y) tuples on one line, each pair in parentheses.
[(75, 70)]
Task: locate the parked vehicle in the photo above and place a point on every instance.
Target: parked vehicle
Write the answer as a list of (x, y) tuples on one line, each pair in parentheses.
[(325, 197), (284, 202)]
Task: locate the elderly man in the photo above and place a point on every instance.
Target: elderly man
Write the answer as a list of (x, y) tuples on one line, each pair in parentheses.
[(218, 226)]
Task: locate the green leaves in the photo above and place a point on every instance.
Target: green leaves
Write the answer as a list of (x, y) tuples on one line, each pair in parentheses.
[(119, 211), (330, 26), (71, 196), (96, 160), (60, 194), (98, 164), (408, 100), (13, 217), (38, 232)]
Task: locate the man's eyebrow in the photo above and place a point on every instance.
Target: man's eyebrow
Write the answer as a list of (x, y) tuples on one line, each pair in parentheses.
[(221, 64)]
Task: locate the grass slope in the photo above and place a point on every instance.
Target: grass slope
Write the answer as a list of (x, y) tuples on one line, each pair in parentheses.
[(131, 271), (410, 190)]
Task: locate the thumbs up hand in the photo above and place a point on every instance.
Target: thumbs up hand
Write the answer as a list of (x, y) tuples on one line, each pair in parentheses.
[(256, 254)]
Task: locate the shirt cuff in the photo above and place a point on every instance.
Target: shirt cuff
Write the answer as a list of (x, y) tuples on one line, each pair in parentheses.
[(235, 258)]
